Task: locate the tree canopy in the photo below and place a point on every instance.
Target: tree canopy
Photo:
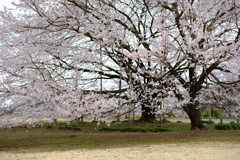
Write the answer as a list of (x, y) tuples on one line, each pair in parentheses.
[(55, 54)]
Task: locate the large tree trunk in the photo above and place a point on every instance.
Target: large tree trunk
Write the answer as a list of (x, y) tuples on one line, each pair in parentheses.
[(195, 114), (148, 114)]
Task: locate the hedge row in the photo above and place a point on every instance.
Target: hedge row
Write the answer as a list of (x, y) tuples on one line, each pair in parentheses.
[(134, 129), (64, 127), (228, 126)]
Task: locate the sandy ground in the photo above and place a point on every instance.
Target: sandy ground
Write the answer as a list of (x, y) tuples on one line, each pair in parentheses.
[(181, 151)]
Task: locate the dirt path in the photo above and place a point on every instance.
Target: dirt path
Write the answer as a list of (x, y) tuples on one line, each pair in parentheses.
[(181, 151)]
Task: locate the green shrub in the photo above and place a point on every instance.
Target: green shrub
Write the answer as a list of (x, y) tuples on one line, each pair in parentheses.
[(61, 127), (50, 126), (210, 122), (77, 128), (235, 125), (134, 129), (179, 122), (223, 127), (65, 127), (130, 129), (157, 129), (68, 127), (228, 126), (108, 129)]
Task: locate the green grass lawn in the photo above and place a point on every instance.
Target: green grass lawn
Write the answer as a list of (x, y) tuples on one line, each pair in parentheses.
[(52, 137)]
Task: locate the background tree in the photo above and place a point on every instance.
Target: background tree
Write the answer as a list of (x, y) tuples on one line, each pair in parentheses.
[(163, 51)]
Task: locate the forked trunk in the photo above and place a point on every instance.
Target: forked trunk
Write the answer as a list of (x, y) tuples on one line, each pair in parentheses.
[(148, 115), (194, 113)]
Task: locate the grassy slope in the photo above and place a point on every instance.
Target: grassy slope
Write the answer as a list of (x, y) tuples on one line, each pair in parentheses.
[(43, 139)]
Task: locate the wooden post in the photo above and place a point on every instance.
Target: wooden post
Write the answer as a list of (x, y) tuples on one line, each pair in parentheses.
[(160, 115), (129, 109), (119, 87), (209, 113), (55, 120), (129, 114), (133, 118), (101, 81), (221, 118)]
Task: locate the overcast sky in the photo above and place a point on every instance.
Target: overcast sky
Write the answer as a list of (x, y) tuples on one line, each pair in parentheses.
[(5, 3)]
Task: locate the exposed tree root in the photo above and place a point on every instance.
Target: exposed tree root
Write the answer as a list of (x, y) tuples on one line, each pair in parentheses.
[(194, 128)]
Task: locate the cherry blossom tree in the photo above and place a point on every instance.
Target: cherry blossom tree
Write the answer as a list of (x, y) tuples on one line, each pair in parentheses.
[(54, 53)]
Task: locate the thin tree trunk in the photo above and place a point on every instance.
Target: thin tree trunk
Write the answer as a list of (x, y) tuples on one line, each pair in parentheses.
[(55, 120), (221, 118), (161, 115), (119, 87), (133, 114), (129, 113), (209, 113)]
